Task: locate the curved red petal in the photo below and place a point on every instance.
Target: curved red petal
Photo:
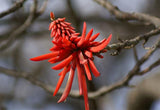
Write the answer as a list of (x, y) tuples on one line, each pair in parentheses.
[(88, 73), (69, 83), (67, 70), (89, 35), (45, 56), (102, 45), (82, 60), (88, 53), (64, 63), (62, 55), (99, 55), (52, 16), (83, 35), (94, 37), (63, 73), (85, 93), (93, 68), (80, 72)]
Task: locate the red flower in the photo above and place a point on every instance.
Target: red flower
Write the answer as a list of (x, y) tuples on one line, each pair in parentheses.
[(60, 28), (75, 52)]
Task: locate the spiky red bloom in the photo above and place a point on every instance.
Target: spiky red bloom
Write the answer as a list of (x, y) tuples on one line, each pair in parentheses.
[(75, 52), (60, 28)]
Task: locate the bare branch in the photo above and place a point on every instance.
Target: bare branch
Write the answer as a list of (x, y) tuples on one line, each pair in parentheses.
[(129, 16), (27, 76), (135, 54), (31, 18), (73, 14), (43, 7), (15, 7), (156, 63), (132, 42)]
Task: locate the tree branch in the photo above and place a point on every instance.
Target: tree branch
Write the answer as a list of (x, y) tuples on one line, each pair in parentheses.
[(12, 9), (129, 16), (31, 18), (132, 42)]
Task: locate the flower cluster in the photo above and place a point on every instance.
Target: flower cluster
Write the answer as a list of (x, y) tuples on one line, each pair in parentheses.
[(60, 28), (73, 52)]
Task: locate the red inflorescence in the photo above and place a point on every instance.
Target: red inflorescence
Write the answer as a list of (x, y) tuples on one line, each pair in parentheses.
[(73, 51), (60, 28)]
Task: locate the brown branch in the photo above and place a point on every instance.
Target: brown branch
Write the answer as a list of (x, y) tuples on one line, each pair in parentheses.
[(31, 18), (12, 9), (156, 63), (42, 8), (135, 54), (27, 76), (74, 16), (132, 42), (129, 16)]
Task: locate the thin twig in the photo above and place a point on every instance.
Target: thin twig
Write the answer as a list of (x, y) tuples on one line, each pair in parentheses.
[(156, 63), (13, 8), (129, 16), (135, 54), (31, 18), (132, 42), (74, 16)]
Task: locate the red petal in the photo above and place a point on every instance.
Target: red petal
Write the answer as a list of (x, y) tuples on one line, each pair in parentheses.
[(55, 27), (68, 33), (63, 24), (83, 35), (58, 31), (81, 58), (93, 68), (52, 15), (88, 53), (63, 63), (87, 71), (67, 23), (53, 32), (61, 19), (76, 34), (85, 93), (63, 55), (45, 56), (100, 56), (80, 72), (60, 80), (55, 47), (51, 25), (89, 35), (101, 46), (94, 37), (69, 84), (67, 70), (104, 50)]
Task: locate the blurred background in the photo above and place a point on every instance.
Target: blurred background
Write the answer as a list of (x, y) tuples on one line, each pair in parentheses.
[(19, 94)]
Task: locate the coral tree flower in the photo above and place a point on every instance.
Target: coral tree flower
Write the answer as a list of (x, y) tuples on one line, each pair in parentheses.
[(73, 52), (60, 28)]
